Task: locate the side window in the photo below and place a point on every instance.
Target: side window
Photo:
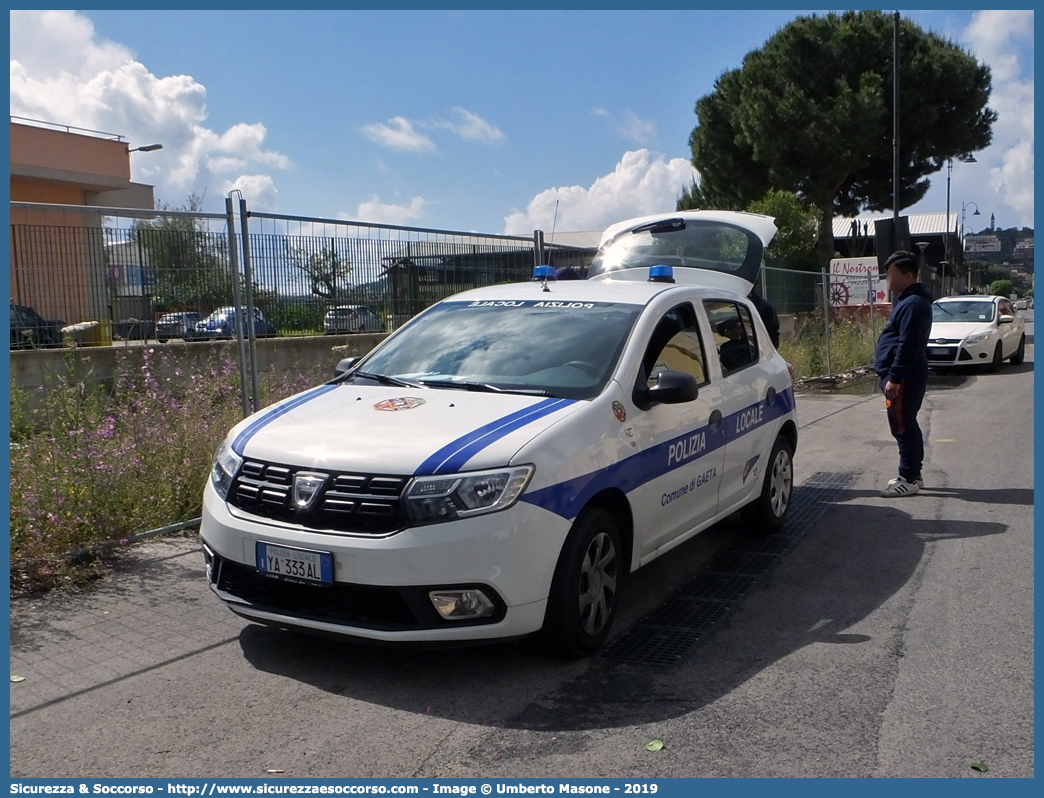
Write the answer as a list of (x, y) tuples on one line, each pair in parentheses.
[(1005, 308), (675, 345), (733, 334), (748, 328)]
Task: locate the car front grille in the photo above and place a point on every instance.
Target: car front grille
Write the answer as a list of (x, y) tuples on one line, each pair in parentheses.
[(950, 355), (365, 504), (344, 604), (942, 354), (349, 605)]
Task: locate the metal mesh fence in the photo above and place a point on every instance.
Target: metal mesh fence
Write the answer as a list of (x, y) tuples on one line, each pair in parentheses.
[(120, 271), (829, 325)]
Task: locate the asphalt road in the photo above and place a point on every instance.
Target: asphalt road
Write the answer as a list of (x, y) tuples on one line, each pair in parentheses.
[(894, 639)]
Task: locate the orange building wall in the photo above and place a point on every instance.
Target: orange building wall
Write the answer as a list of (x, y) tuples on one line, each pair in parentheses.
[(56, 149), (25, 189)]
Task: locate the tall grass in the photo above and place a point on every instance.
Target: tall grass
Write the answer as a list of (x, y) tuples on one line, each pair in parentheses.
[(851, 346), (90, 465)]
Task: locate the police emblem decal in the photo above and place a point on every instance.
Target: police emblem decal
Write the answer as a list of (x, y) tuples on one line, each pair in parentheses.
[(749, 465), (400, 403), (620, 412), (306, 488)]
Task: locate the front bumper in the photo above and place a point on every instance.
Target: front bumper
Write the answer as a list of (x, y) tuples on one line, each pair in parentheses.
[(381, 584), (960, 353)]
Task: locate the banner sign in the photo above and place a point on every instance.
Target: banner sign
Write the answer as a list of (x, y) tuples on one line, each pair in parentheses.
[(856, 281)]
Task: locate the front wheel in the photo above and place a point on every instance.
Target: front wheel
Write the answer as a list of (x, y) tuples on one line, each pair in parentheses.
[(1020, 353), (582, 603), (998, 358), (768, 512)]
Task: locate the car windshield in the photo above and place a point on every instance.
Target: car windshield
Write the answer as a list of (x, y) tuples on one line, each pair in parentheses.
[(715, 246), (971, 311), (562, 349)]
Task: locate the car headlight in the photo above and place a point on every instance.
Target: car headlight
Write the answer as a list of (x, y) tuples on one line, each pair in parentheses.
[(226, 464), (978, 338), (431, 500)]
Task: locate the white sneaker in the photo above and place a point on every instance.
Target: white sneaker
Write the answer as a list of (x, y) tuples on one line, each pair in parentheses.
[(900, 487), (896, 480)]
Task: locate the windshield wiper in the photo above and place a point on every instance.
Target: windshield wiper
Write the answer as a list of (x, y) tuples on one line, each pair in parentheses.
[(484, 387), (384, 379), (661, 226)]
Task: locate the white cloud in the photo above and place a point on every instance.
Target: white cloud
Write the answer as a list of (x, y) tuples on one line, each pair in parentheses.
[(61, 72), (474, 127), (1004, 40), (399, 134), (259, 191), (642, 183), (631, 126), (373, 210), (402, 134)]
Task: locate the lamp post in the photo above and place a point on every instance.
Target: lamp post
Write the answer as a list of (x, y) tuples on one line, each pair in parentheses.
[(146, 148), (964, 207), (966, 158)]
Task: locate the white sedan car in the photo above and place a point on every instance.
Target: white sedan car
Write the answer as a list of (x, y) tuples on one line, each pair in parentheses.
[(498, 466), (975, 331)]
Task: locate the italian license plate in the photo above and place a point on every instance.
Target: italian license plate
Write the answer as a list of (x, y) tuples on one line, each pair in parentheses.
[(936, 352), (294, 565)]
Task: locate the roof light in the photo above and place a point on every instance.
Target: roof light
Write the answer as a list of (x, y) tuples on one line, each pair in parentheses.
[(661, 274), (543, 273)]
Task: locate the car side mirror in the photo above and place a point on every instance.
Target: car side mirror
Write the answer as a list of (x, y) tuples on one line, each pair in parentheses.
[(1005, 319), (671, 388), (343, 366)]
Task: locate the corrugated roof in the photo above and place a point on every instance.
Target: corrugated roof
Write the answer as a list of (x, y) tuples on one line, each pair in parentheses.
[(921, 224)]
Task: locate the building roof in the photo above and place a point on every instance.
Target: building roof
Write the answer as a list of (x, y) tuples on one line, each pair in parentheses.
[(920, 223)]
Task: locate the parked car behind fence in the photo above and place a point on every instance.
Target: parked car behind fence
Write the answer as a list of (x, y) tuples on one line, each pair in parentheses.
[(222, 324), (178, 325), (30, 330), (351, 319)]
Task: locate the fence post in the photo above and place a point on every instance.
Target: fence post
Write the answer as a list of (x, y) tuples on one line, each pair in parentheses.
[(872, 293), (249, 277), (826, 319), (233, 265)]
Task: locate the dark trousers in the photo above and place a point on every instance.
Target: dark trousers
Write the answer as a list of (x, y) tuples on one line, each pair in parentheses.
[(902, 420)]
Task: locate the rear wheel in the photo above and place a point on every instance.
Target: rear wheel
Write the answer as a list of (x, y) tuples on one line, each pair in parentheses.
[(1020, 353), (768, 512), (998, 358), (582, 603)]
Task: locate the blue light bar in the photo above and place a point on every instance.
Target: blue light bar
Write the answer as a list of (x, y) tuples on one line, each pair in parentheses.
[(661, 274), (544, 273)]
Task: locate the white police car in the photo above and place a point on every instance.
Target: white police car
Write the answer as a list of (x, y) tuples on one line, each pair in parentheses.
[(497, 466)]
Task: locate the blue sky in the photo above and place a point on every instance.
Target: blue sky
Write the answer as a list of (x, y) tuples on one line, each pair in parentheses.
[(490, 121)]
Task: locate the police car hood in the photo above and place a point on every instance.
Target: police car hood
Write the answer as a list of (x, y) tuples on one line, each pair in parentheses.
[(400, 431)]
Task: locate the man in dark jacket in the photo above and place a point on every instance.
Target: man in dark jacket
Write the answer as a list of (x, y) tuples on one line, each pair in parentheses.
[(901, 363)]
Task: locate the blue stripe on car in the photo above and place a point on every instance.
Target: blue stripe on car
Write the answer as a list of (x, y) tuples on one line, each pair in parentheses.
[(568, 498), (455, 454), (280, 410)]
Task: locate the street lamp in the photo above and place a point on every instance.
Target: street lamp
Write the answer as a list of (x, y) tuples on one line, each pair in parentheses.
[(964, 207), (146, 148), (966, 158)]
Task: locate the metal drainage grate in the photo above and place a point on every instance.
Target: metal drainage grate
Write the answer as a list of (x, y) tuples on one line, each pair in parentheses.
[(670, 631)]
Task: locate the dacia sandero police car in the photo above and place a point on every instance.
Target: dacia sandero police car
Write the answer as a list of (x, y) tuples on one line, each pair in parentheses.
[(497, 466)]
